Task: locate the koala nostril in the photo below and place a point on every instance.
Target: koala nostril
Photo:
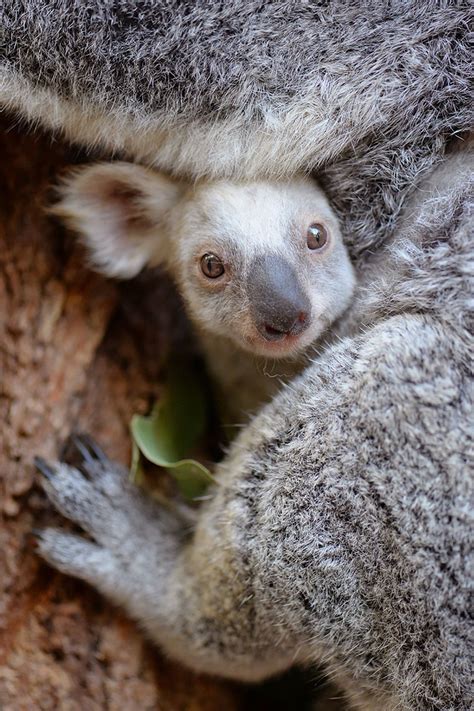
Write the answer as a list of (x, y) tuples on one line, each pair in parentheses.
[(273, 334), (291, 328)]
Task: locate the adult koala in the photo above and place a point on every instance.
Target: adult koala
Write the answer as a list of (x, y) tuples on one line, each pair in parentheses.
[(339, 531)]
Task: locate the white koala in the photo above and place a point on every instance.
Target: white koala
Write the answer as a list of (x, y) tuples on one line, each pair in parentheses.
[(261, 266)]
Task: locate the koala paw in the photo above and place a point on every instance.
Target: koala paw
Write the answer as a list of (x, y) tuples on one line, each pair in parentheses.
[(129, 533)]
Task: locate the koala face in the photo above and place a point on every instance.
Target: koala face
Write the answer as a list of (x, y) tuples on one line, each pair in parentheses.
[(260, 263)]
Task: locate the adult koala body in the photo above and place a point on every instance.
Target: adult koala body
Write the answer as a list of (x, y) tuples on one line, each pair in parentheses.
[(340, 530)]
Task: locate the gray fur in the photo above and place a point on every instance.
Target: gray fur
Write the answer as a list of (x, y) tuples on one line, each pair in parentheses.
[(341, 528), (245, 89)]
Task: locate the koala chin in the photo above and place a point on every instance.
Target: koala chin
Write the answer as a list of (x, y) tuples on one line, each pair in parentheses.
[(261, 266)]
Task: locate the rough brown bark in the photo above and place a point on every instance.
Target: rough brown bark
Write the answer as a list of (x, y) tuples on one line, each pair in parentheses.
[(77, 352)]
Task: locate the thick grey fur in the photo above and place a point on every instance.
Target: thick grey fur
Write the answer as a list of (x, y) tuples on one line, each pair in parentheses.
[(341, 528), (365, 93)]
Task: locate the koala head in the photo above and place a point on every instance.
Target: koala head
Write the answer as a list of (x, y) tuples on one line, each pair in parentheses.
[(260, 263)]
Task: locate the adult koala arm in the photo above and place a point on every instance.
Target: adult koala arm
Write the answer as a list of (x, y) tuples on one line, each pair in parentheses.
[(340, 528)]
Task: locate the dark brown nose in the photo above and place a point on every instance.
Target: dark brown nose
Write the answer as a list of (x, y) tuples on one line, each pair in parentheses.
[(279, 305)]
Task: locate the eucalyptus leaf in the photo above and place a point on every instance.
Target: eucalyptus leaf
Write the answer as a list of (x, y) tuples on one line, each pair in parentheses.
[(170, 432)]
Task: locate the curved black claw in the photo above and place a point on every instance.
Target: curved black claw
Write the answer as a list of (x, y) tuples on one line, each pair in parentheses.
[(80, 448), (44, 468)]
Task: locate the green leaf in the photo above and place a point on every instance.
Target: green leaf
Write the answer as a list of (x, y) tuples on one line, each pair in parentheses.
[(174, 427)]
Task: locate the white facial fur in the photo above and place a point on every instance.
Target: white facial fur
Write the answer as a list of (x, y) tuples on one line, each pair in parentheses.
[(130, 216)]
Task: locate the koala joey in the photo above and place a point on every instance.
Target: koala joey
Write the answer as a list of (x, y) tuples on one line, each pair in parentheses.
[(261, 266)]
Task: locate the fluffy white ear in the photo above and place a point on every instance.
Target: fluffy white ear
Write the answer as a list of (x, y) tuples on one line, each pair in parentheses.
[(120, 211)]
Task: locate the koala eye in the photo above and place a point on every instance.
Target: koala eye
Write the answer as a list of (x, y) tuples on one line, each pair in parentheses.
[(316, 236), (211, 266)]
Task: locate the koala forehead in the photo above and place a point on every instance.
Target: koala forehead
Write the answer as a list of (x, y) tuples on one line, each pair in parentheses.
[(254, 217)]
